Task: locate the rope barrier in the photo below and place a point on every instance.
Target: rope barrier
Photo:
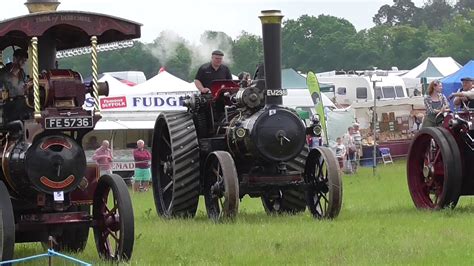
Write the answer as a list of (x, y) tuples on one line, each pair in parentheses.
[(51, 253)]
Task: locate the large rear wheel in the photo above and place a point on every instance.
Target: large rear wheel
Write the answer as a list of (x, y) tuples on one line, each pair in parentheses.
[(113, 219), (175, 165), (7, 226), (324, 195), (434, 169)]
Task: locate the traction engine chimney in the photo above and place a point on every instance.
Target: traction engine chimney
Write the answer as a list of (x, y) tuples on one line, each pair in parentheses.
[(271, 33), (35, 6)]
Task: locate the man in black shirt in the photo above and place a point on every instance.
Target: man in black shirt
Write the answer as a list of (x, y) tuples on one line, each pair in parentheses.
[(211, 71)]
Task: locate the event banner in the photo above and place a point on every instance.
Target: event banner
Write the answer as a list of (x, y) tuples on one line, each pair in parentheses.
[(156, 102)]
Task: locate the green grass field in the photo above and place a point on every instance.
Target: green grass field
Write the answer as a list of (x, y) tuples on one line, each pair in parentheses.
[(378, 224)]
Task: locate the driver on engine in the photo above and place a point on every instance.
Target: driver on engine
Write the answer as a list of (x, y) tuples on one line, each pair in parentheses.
[(465, 94), (13, 81), (209, 72)]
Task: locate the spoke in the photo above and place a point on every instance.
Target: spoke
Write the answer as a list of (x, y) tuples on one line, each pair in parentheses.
[(168, 186), (320, 169), (166, 141), (324, 197), (437, 155), (320, 209), (316, 199), (111, 212), (112, 233)]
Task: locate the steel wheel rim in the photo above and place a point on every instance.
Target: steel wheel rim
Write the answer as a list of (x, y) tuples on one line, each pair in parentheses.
[(221, 191), (324, 193), (216, 191), (165, 170)]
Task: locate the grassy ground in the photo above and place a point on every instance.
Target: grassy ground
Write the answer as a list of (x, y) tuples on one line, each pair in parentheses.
[(378, 224)]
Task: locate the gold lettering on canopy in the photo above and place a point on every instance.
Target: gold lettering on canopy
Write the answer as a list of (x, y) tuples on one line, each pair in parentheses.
[(56, 18)]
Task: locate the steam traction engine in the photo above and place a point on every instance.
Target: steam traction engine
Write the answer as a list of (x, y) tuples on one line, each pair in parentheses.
[(240, 140), (46, 188), (438, 168)]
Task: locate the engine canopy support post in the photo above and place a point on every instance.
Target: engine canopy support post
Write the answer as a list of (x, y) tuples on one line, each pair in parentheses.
[(95, 70), (35, 73)]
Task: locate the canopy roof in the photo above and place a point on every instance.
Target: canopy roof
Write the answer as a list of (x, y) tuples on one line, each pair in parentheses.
[(434, 67), (293, 80), (70, 29), (164, 82)]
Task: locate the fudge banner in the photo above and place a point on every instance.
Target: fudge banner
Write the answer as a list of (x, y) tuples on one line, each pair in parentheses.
[(166, 102)]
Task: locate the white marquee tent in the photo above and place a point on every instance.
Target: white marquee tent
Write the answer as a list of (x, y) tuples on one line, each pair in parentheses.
[(164, 82), (115, 86), (431, 68)]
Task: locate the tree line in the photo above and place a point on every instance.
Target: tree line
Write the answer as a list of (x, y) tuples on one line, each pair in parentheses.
[(404, 36)]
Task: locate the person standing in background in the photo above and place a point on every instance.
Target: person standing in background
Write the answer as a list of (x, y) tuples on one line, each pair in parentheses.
[(103, 157), (340, 153), (348, 142), (357, 137), (142, 159)]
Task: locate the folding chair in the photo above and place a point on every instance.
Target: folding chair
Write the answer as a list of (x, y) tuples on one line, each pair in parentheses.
[(386, 156)]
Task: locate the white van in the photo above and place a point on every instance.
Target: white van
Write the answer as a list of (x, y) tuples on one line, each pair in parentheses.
[(354, 88), (136, 77)]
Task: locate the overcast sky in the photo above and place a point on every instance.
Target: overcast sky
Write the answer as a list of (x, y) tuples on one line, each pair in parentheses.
[(190, 18)]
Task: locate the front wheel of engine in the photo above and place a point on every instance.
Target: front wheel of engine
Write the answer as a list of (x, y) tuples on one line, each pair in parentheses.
[(324, 194), (113, 219), (434, 169), (221, 186)]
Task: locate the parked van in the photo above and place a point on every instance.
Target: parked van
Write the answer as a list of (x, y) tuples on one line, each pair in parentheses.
[(354, 88), (136, 77)]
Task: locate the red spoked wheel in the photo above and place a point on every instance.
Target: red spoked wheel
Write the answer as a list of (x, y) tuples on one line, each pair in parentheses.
[(113, 219), (434, 169)]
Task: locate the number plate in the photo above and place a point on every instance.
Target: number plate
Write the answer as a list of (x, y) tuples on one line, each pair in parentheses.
[(68, 122), (277, 92)]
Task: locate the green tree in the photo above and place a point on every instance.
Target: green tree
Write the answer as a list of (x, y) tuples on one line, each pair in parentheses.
[(247, 51), (318, 43), (179, 64), (464, 7), (402, 12), (456, 38), (436, 13)]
